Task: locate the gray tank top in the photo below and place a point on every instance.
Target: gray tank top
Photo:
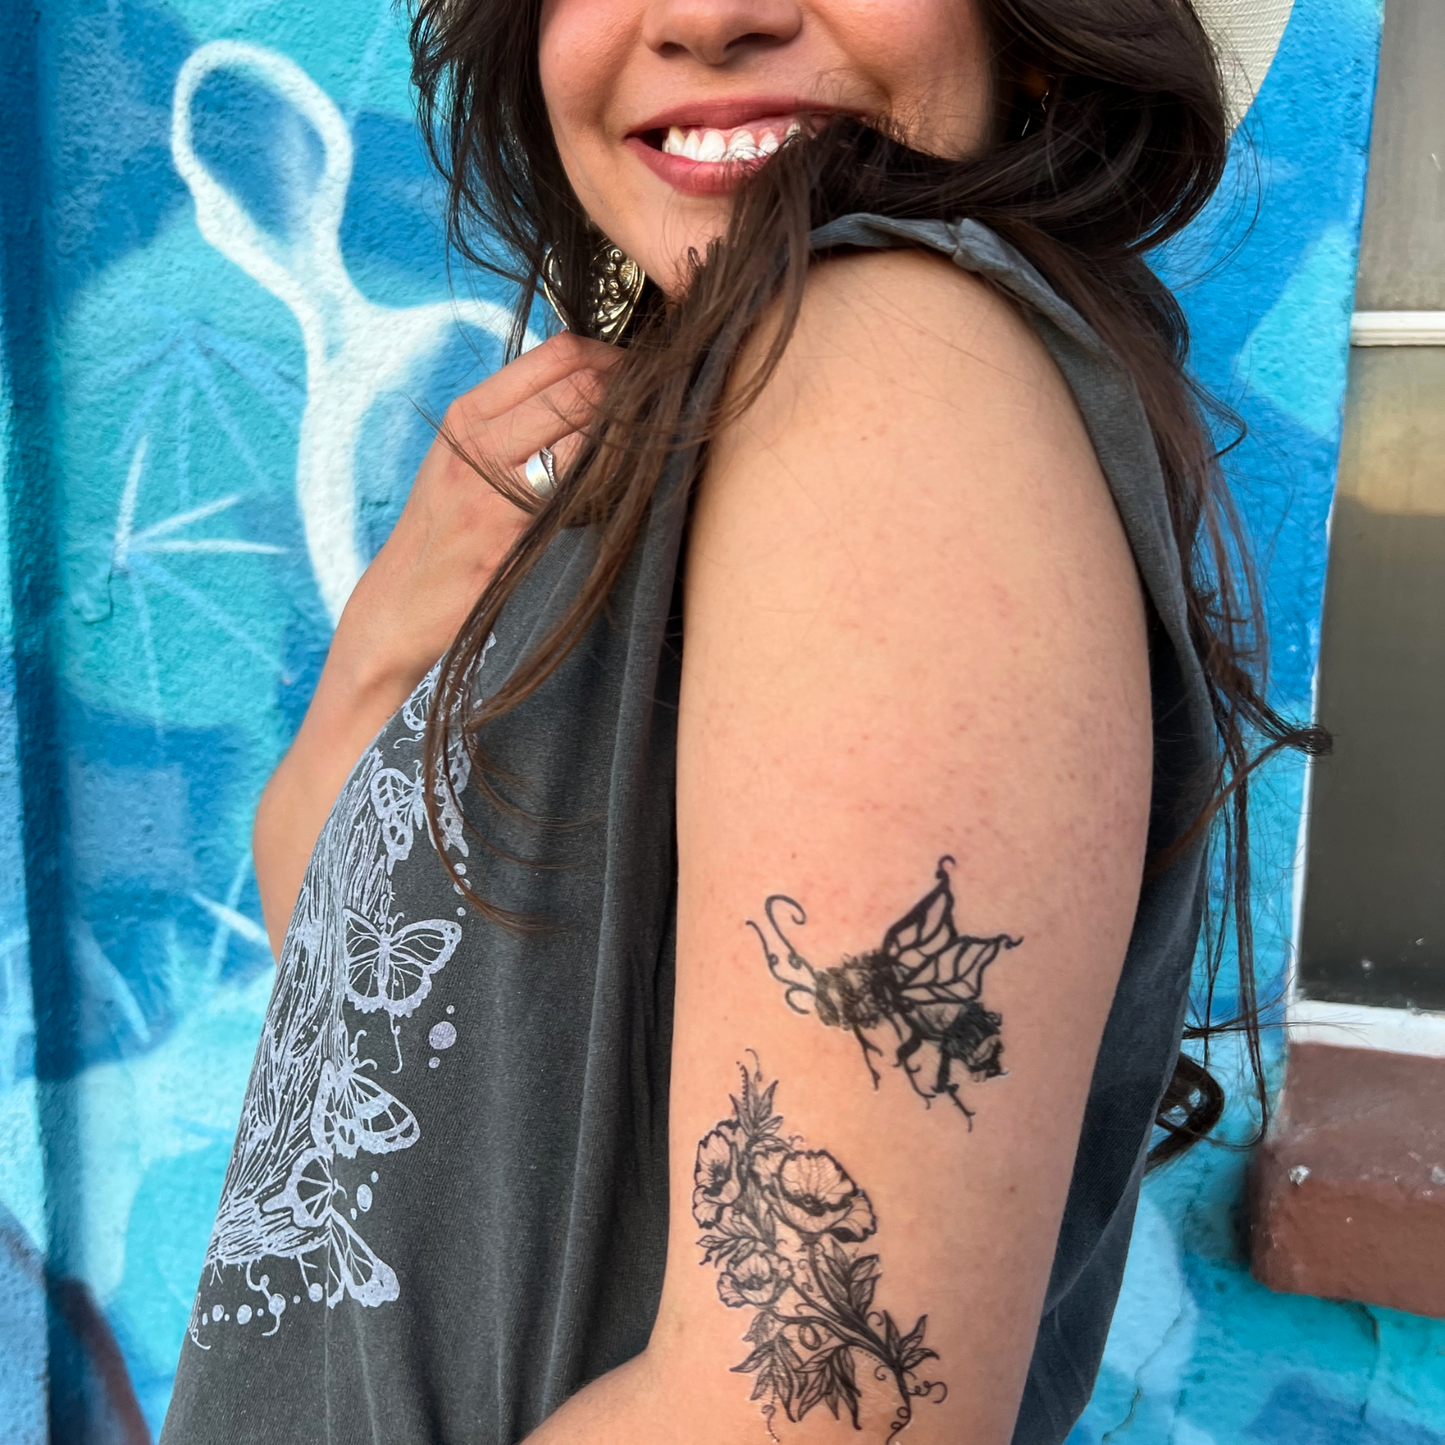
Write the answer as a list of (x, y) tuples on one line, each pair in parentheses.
[(447, 1205)]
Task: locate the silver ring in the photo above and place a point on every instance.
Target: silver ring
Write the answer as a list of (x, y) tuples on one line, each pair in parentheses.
[(541, 472)]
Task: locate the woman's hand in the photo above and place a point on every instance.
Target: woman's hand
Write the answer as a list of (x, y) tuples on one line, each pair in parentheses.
[(456, 528), (453, 533)]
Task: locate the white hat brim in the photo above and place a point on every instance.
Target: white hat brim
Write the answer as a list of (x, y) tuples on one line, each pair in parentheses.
[(1246, 33)]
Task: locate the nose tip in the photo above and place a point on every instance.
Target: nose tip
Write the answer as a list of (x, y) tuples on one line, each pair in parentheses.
[(717, 31)]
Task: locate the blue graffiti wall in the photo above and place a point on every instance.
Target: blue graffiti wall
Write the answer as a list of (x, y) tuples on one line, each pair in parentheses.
[(225, 306)]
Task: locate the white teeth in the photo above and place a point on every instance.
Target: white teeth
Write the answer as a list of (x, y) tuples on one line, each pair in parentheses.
[(714, 146), (742, 146)]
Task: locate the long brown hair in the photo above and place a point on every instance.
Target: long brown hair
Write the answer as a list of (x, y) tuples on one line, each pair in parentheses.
[(1125, 150)]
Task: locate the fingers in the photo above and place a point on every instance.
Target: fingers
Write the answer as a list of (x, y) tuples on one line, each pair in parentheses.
[(543, 399), (533, 372), (542, 420)]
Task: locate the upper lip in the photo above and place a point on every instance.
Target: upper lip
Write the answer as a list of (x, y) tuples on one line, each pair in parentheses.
[(729, 114)]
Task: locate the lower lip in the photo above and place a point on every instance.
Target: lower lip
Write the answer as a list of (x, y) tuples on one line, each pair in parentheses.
[(693, 178)]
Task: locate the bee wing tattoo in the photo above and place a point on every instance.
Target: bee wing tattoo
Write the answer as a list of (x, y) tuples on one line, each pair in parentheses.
[(924, 980)]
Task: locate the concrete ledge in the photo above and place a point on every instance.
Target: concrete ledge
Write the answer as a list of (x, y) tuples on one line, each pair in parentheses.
[(1347, 1192), (1358, 1026), (1397, 328)]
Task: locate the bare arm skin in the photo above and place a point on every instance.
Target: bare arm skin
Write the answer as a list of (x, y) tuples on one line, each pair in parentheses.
[(915, 666), (451, 536)]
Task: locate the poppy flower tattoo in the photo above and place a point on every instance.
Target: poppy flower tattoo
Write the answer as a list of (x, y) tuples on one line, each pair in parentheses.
[(925, 980), (783, 1227)]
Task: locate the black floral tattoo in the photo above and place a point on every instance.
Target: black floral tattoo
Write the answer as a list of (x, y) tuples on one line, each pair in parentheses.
[(924, 980), (784, 1224)]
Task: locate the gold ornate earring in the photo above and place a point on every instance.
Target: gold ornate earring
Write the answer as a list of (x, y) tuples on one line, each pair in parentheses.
[(616, 286), (617, 282)]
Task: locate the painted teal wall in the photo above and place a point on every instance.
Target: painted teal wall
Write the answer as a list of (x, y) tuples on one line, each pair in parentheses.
[(214, 337)]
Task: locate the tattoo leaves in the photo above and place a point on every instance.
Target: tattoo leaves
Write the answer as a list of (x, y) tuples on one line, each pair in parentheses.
[(784, 1225), (924, 980)]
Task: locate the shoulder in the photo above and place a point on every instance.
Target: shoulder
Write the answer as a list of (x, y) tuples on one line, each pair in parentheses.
[(903, 362), (917, 305), (916, 419), (912, 326)]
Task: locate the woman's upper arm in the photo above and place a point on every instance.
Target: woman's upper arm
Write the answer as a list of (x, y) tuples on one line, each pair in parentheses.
[(913, 634)]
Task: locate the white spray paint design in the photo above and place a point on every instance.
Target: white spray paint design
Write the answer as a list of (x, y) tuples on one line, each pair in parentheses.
[(355, 349)]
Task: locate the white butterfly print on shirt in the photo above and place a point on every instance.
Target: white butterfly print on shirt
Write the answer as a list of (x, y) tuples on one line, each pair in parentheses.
[(392, 970), (400, 802), (399, 797), (350, 1265), (355, 1114), (416, 707), (351, 1114)]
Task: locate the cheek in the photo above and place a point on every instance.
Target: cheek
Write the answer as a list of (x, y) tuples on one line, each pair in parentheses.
[(581, 51), (931, 58)]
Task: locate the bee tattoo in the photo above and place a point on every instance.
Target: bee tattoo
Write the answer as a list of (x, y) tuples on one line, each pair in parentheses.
[(924, 981)]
